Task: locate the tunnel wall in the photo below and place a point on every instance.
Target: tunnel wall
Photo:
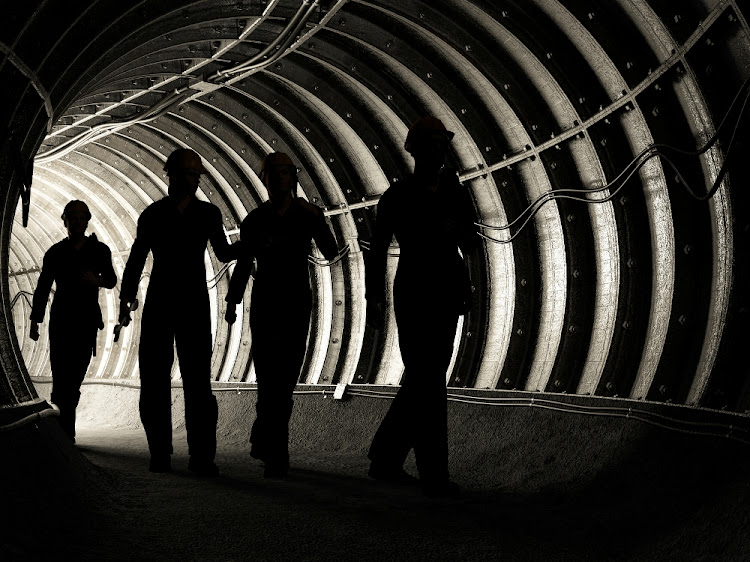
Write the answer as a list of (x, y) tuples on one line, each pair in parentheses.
[(641, 297), (646, 298), (526, 442)]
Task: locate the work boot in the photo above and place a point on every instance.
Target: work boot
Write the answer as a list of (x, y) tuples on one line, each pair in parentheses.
[(445, 489), (160, 463), (276, 469), (203, 467), (392, 475), (258, 452)]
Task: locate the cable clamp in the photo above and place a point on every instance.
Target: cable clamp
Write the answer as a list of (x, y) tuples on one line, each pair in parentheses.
[(340, 391)]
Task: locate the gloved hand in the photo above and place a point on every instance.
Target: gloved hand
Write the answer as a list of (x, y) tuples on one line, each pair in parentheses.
[(34, 330), (231, 314), (125, 309), (124, 319)]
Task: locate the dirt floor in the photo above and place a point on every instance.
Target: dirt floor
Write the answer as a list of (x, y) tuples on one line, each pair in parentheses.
[(327, 509), (109, 507), (96, 500)]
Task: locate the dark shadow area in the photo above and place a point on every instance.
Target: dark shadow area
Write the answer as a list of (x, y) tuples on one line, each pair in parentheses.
[(328, 509), (674, 497), (669, 499)]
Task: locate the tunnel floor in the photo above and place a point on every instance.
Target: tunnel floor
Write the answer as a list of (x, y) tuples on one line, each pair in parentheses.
[(327, 509)]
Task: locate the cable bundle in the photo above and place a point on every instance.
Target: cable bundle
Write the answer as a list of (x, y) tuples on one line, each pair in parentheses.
[(661, 150)]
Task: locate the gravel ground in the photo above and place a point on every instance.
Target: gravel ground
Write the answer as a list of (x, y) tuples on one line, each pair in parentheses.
[(96, 500), (327, 509)]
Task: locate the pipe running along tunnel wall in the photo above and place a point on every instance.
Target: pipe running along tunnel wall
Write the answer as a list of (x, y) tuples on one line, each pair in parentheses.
[(588, 136)]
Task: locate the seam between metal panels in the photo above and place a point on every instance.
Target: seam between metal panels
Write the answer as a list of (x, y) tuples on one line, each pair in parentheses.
[(33, 79)]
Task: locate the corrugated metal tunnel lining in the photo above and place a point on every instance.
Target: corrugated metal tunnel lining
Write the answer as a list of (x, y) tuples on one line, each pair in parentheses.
[(642, 295)]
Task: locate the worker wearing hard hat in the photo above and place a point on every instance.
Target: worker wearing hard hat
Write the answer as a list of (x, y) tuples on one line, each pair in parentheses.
[(432, 217), (78, 266), (278, 235), (176, 230)]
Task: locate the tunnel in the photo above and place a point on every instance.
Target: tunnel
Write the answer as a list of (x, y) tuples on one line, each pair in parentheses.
[(603, 367)]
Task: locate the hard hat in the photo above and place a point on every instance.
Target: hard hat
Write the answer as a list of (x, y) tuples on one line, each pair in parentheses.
[(275, 159), (424, 127), (184, 159), (76, 205)]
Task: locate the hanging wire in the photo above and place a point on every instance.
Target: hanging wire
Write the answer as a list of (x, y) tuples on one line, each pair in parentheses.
[(327, 263), (99, 131), (312, 259), (622, 178), (282, 41), (21, 294), (280, 44), (735, 432), (365, 245), (562, 194), (222, 272), (619, 182), (712, 429)]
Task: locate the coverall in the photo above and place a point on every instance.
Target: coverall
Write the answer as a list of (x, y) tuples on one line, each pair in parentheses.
[(431, 289), (280, 311), (176, 313), (75, 317)]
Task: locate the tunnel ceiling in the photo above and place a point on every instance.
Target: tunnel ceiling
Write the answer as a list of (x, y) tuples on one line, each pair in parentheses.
[(622, 284)]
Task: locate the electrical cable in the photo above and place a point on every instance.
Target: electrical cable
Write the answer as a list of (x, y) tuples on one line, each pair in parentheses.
[(287, 35), (670, 423), (36, 416), (99, 131), (534, 207), (327, 263), (222, 272), (624, 176), (19, 294), (636, 163), (162, 107), (312, 259), (136, 386), (365, 245), (712, 140), (659, 420), (560, 194)]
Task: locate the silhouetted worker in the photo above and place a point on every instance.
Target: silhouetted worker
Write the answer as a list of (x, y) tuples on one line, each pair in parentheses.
[(177, 229), (78, 265), (278, 236), (431, 216)]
